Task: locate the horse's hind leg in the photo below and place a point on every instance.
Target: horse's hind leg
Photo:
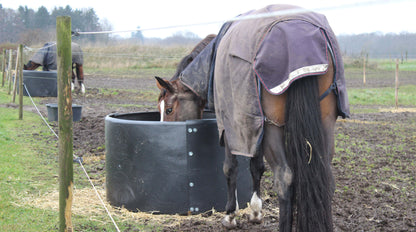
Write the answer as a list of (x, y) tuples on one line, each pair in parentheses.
[(230, 172), (273, 147), (257, 169)]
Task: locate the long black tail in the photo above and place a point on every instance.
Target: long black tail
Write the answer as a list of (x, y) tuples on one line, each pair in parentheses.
[(308, 156)]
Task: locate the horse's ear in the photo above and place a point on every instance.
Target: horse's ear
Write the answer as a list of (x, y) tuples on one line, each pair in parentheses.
[(163, 84)]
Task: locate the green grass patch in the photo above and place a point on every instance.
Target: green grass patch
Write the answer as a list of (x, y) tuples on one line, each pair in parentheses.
[(28, 168), (29, 174), (132, 58), (356, 64), (383, 96), (389, 64)]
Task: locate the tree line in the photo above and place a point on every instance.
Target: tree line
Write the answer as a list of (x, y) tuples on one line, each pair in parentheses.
[(29, 26), (379, 45), (34, 27)]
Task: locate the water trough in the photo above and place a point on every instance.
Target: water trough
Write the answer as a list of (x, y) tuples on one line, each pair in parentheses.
[(168, 167), (40, 83), (53, 112)]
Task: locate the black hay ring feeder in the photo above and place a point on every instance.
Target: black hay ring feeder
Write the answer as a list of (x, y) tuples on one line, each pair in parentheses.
[(40, 83), (168, 167)]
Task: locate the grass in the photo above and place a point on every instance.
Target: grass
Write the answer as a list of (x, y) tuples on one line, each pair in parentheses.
[(29, 174), (383, 96), (368, 150), (25, 171), (388, 64), (356, 64), (128, 59)]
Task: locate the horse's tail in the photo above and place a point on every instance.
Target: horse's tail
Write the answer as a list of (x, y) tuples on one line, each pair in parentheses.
[(308, 156)]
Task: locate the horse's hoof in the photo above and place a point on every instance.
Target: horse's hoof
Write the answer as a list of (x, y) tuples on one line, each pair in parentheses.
[(229, 222), (256, 218), (82, 88)]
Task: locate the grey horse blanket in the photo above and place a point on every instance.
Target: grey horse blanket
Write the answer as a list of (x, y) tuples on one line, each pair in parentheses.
[(271, 51), (47, 57)]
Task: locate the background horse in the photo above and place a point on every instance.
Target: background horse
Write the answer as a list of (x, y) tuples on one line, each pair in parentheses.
[(46, 57), (289, 122)]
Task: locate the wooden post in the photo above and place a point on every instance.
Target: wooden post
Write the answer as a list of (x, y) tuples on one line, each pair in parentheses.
[(16, 71), (21, 82), (9, 71), (364, 70), (63, 34), (397, 84), (3, 68)]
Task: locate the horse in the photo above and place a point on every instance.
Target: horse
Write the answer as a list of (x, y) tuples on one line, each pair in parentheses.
[(46, 57), (290, 124)]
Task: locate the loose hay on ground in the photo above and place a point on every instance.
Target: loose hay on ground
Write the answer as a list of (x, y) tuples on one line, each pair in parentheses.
[(86, 203), (398, 110)]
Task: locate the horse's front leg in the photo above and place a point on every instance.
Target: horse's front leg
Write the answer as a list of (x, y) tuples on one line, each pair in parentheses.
[(257, 170), (230, 172)]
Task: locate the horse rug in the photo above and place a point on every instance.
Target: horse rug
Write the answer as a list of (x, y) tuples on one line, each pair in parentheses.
[(47, 56), (270, 51)]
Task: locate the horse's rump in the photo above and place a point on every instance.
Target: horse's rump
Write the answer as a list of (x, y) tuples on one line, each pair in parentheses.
[(290, 50), (47, 56), (250, 48)]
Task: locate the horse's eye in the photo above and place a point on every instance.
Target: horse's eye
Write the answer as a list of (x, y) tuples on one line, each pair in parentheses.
[(168, 111)]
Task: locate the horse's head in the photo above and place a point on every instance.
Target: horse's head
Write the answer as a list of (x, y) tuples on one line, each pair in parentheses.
[(30, 65), (177, 102)]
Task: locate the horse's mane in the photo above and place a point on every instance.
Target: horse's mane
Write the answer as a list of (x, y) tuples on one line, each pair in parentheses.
[(189, 58)]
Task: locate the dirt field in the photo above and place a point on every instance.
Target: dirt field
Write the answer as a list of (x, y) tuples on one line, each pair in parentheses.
[(374, 165)]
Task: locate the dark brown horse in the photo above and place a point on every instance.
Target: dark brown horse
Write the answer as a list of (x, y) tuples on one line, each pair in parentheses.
[(47, 58), (292, 129)]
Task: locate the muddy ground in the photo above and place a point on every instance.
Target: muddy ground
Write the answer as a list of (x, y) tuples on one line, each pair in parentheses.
[(374, 165)]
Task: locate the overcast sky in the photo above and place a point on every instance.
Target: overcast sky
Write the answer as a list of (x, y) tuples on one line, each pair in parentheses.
[(345, 16)]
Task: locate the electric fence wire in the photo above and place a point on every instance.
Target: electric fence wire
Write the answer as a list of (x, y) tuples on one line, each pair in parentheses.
[(256, 16)]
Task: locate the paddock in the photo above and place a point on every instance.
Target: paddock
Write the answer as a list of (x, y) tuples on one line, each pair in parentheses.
[(373, 164)]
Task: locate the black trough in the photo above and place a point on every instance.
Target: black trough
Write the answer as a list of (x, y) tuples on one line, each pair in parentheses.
[(168, 167), (53, 112), (40, 83)]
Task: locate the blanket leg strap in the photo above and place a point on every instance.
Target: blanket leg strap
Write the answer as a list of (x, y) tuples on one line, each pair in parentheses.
[(333, 86)]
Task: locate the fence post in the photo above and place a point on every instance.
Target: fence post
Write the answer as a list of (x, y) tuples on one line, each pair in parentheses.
[(9, 71), (3, 68), (364, 70), (396, 94), (16, 71), (63, 34), (21, 81)]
